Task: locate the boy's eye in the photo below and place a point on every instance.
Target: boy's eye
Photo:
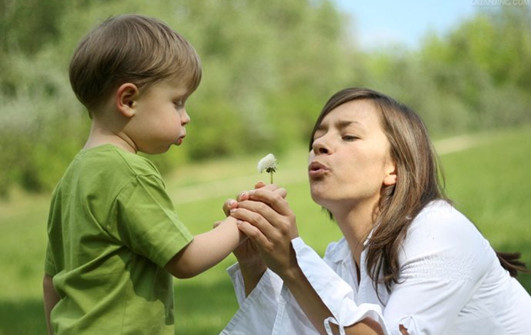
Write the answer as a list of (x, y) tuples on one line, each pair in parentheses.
[(179, 103)]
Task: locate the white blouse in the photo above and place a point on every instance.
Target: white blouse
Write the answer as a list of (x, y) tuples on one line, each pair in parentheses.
[(450, 282)]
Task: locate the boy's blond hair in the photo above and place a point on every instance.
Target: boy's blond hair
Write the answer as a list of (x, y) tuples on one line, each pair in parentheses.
[(130, 48)]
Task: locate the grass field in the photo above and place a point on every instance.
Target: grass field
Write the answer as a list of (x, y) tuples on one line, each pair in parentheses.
[(487, 177)]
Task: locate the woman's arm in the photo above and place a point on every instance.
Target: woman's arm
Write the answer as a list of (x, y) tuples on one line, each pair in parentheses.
[(50, 299), (269, 223), (251, 265), (206, 250)]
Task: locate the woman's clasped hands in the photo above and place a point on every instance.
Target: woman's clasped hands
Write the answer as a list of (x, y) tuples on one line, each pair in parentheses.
[(264, 215)]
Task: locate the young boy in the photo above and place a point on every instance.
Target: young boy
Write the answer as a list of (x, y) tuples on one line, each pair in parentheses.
[(114, 236)]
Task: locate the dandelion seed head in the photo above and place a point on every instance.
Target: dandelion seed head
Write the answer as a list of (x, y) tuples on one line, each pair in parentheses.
[(268, 164)]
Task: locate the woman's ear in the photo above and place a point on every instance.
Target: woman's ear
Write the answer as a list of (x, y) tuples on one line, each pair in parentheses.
[(125, 99), (390, 175)]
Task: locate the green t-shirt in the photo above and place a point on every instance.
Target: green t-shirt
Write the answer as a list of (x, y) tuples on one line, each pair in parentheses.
[(111, 230)]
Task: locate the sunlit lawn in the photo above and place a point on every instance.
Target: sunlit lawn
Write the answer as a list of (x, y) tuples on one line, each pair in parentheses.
[(489, 183)]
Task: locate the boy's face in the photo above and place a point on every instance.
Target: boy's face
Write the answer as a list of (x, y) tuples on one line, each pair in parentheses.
[(160, 117)]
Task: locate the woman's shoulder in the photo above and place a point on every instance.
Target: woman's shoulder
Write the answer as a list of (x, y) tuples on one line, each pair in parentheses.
[(440, 216), (441, 227), (441, 241)]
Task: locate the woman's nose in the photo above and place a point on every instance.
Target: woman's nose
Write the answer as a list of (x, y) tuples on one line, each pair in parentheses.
[(320, 146)]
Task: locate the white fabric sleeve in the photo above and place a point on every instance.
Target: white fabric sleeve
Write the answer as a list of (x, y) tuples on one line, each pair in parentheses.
[(443, 260), (257, 311), (335, 293)]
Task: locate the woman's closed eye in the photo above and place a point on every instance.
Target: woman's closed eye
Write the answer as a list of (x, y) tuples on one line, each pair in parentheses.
[(349, 138)]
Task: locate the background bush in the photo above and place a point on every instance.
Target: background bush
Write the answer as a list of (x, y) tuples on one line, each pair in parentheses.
[(268, 68)]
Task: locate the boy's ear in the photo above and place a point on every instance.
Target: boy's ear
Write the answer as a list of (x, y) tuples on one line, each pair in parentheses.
[(126, 96)]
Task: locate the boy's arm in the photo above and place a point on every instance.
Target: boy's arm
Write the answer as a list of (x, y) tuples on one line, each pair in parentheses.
[(50, 299), (206, 250)]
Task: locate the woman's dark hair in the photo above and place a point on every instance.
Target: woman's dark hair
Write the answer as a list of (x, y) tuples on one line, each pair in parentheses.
[(419, 182)]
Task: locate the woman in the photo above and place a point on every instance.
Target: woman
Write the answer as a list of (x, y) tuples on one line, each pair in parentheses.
[(409, 262)]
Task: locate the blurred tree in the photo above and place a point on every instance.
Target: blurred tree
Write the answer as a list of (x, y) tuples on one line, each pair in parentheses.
[(253, 53), (485, 66), (28, 25), (268, 69)]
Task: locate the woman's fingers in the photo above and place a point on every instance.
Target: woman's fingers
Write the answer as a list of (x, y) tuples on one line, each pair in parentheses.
[(272, 197), (260, 184), (273, 224), (271, 187), (266, 209), (254, 234), (250, 215)]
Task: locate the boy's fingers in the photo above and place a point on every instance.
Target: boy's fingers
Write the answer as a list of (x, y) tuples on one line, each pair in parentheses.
[(228, 205)]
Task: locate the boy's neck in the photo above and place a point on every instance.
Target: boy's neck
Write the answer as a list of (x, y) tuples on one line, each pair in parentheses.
[(106, 132), (93, 142)]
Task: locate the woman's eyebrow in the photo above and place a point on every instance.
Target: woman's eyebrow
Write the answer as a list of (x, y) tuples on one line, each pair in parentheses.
[(342, 124)]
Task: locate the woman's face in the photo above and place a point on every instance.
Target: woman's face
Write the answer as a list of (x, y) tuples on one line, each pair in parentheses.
[(350, 160)]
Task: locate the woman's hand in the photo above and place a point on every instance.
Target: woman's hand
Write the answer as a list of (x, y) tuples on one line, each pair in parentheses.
[(251, 264), (247, 254), (265, 217)]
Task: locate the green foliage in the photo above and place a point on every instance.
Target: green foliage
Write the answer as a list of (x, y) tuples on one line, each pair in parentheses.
[(268, 69), (252, 52), (484, 66)]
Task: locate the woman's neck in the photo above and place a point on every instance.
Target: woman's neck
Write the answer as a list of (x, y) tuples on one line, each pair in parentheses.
[(356, 224)]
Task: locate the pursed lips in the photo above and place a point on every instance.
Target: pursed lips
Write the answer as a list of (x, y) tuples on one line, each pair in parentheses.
[(317, 169), (180, 139)]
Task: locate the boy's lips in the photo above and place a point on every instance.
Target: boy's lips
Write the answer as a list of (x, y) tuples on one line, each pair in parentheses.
[(317, 169), (179, 140)]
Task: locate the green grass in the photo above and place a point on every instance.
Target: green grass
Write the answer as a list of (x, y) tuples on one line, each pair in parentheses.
[(488, 182)]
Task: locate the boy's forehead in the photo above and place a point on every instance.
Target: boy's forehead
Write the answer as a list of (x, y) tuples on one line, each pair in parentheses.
[(174, 85)]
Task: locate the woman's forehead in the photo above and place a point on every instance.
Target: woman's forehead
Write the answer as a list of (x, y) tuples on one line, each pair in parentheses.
[(357, 112)]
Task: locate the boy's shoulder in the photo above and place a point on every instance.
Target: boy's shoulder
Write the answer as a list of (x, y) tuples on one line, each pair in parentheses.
[(107, 163)]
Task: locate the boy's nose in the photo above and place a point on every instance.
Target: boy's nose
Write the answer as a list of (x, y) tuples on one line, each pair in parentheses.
[(185, 118)]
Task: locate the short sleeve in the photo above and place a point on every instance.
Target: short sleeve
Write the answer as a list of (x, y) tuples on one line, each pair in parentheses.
[(49, 263), (147, 221), (50, 266)]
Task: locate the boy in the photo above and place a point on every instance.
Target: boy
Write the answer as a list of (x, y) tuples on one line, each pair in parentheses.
[(114, 237)]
